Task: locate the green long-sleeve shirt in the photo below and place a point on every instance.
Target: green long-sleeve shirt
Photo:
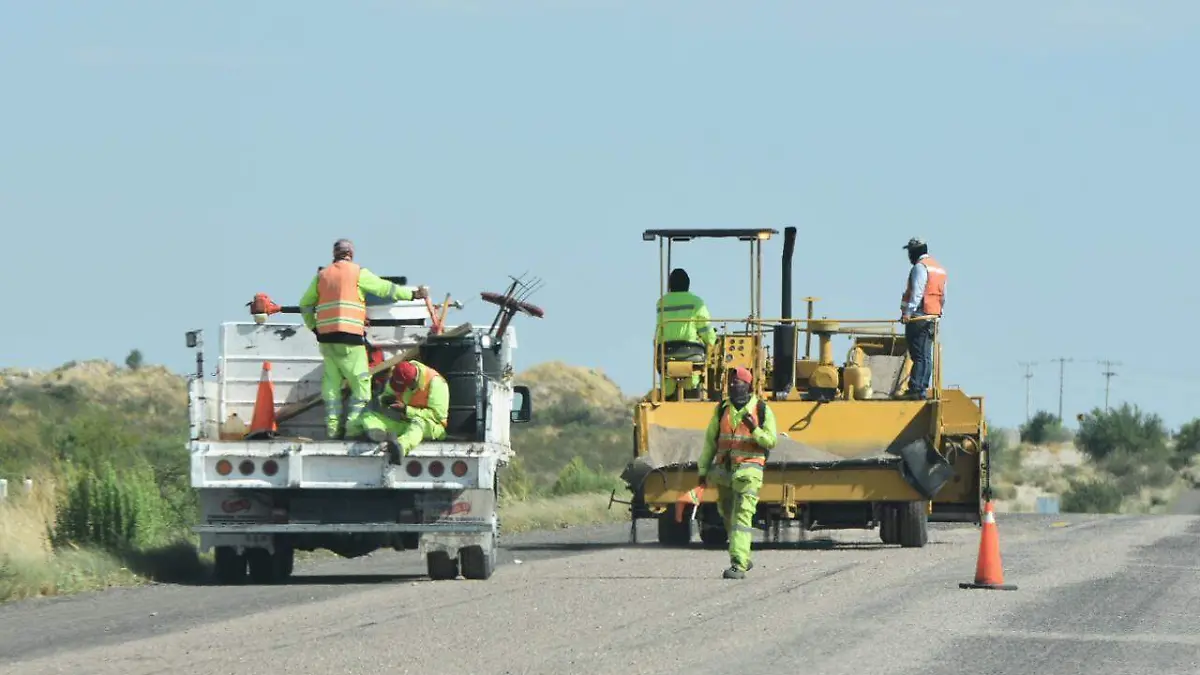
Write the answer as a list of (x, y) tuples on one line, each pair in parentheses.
[(683, 305), (765, 434), (368, 282), (437, 408)]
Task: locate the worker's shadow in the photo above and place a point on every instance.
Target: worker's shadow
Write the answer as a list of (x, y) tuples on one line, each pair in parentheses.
[(575, 547), (350, 579)]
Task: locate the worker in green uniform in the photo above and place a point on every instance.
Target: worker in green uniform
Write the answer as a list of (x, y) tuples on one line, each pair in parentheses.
[(686, 340), (740, 435), (334, 307), (415, 407)]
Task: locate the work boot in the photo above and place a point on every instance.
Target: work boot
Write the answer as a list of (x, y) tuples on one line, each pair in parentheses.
[(392, 443), (735, 572)]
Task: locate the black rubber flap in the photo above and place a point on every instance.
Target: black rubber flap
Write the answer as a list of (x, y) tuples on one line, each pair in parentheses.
[(923, 468)]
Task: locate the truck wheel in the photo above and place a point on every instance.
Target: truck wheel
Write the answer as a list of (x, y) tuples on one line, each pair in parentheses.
[(712, 528), (671, 533), (476, 562), (441, 566), (889, 523), (914, 525), (230, 567), (266, 568)]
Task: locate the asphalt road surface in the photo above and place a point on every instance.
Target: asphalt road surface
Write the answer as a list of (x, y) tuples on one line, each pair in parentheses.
[(1101, 595)]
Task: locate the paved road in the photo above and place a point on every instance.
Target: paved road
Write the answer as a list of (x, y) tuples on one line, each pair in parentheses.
[(1101, 595)]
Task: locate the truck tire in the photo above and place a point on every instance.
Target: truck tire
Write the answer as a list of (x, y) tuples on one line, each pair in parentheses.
[(914, 525), (477, 563), (712, 528), (889, 524), (230, 566), (270, 568), (671, 533), (441, 566)]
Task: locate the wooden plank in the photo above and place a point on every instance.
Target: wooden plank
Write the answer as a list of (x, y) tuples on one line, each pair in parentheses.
[(290, 410)]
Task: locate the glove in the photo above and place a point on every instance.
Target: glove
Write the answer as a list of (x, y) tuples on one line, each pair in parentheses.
[(703, 482), (398, 406), (749, 422), (421, 292)]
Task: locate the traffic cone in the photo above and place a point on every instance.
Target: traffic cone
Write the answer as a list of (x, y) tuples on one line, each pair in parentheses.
[(989, 572), (263, 422), (692, 496)]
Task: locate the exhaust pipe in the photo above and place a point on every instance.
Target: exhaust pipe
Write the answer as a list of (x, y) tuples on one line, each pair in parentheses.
[(783, 377)]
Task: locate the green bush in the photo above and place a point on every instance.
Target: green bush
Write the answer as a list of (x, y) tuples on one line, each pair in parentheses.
[(1044, 427), (1124, 429), (115, 511), (578, 478), (1095, 496)]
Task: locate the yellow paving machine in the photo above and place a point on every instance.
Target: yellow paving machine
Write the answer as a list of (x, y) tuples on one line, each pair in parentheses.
[(852, 452)]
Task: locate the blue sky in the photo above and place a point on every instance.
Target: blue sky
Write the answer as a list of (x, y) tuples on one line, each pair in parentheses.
[(165, 161)]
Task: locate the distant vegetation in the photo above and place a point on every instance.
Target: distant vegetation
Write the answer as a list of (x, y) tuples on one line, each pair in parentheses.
[(105, 447), (1124, 460)]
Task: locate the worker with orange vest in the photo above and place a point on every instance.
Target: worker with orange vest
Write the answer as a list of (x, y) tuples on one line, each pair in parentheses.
[(334, 307), (924, 294), (417, 408), (740, 435)]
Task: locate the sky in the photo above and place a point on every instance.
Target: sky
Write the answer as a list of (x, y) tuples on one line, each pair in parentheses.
[(164, 162)]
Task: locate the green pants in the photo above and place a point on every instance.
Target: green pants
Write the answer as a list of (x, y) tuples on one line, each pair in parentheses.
[(345, 363), (737, 502), (409, 433), (669, 385)]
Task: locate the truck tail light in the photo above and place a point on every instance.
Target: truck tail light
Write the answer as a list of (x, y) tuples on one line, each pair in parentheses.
[(270, 467), (459, 468), (246, 467), (224, 467), (414, 468), (436, 468)]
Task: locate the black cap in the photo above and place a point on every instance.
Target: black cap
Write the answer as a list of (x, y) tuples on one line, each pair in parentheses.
[(914, 243)]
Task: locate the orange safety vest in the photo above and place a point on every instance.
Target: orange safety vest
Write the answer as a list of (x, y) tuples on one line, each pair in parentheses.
[(935, 287), (738, 444), (340, 308), (420, 397)]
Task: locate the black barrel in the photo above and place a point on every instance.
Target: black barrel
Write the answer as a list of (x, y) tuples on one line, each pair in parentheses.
[(466, 365)]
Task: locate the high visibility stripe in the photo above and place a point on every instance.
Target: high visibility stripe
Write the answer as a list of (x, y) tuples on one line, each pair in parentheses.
[(677, 308)]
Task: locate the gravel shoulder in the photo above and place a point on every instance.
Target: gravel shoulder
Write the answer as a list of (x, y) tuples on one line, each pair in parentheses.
[(584, 601)]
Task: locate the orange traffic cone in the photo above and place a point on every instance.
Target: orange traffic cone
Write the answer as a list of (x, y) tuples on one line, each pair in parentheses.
[(692, 496), (989, 572), (263, 422)]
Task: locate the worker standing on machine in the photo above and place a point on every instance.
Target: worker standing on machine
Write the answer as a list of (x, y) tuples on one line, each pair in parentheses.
[(925, 293), (415, 407), (685, 340), (334, 307), (740, 435)]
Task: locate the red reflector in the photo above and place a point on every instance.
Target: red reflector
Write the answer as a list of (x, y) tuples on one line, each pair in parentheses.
[(270, 467), (246, 467), (224, 468), (459, 468), (436, 468), (414, 468)]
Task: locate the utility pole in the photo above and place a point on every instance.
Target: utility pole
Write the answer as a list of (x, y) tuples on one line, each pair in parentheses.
[(1108, 375), (1028, 376), (1062, 367)]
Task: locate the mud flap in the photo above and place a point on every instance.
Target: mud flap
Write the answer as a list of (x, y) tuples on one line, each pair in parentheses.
[(923, 468)]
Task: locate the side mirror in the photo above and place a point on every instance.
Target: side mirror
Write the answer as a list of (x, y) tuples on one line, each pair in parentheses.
[(522, 405)]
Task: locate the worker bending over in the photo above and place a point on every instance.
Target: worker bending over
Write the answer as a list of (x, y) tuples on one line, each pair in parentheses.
[(684, 340), (739, 437), (334, 306), (415, 407), (924, 294)]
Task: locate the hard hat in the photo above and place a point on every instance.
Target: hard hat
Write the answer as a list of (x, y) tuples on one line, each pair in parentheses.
[(403, 373), (742, 373), (915, 242)]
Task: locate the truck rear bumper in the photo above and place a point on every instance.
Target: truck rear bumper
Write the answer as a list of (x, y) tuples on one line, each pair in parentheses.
[(344, 528)]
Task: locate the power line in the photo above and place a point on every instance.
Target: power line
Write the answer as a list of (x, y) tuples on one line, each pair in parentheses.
[(1028, 376), (1062, 364)]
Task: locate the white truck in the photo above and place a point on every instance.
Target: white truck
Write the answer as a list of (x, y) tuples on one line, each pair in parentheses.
[(262, 500)]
